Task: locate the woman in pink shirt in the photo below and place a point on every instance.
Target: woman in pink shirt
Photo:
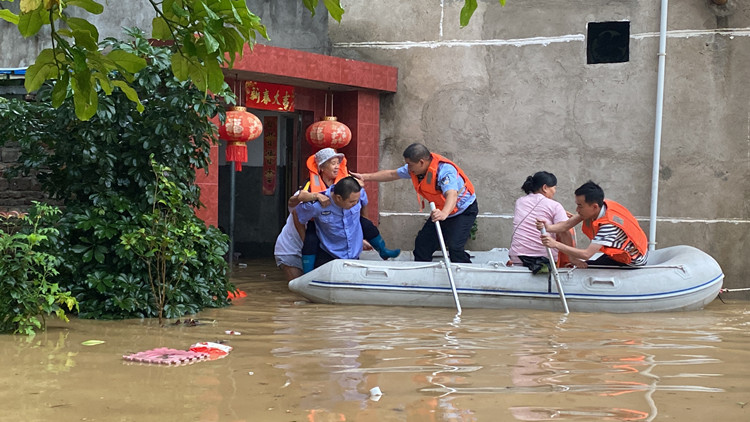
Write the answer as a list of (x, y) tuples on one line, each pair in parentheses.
[(536, 205)]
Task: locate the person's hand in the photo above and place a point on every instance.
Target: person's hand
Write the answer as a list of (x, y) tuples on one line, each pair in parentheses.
[(366, 245), (438, 215), (579, 263), (357, 176), (569, 214), (540, 224), (323, 200), (548, 241)]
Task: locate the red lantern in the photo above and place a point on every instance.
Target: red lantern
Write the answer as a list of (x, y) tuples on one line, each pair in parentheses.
[(328, 133), (241, 126)]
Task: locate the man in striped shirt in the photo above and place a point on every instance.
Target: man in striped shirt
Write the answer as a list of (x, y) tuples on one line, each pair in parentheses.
[(613, 231)]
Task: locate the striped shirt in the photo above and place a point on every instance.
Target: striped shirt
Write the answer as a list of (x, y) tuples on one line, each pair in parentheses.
[(612, 236)]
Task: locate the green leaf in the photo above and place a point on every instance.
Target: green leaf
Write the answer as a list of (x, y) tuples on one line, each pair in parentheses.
[(30, 5), (210, 13), (215, 76), (310, 5), (30, 23), (211, 43), (86, 40), (84, 95), (9, 16), (93, 342), (78, 24), (130, 93), (89, 5), (127, 61), (60, 91), (43, 68), (334, 8), (160, 29), (180, 66), (467, 11)]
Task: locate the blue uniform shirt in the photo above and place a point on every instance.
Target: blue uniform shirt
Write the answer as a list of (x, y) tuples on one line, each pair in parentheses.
[(448, 179), (339, 230)]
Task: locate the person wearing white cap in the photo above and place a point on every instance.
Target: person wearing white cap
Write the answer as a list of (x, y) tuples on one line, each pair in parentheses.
[(326, 167)]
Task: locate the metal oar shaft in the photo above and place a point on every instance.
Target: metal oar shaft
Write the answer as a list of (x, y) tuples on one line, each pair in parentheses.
[(556, 275), (447, 262)]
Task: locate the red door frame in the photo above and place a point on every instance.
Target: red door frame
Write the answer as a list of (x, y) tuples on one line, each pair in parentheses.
[(357, 87)]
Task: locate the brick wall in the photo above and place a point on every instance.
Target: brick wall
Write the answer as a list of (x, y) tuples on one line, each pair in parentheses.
[(18, 193)]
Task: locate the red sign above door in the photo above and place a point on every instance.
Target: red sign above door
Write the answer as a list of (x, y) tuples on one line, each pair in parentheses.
[(266, 96)]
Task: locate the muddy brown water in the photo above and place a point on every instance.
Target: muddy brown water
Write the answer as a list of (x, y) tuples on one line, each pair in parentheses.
[(296, 361)]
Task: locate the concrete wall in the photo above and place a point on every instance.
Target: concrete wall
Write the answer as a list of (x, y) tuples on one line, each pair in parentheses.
[(288, 23), (512, 94)]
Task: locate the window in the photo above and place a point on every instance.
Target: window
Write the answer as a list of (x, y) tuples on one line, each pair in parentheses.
[(608, 42)]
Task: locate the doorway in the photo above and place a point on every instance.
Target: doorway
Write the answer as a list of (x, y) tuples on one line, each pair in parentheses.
[(261, 209)]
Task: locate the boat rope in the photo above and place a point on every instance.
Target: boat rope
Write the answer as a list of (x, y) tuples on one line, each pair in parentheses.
[(358, 265), (643, 267)]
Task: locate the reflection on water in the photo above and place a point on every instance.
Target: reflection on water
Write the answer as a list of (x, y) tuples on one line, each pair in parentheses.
[(297, 361)]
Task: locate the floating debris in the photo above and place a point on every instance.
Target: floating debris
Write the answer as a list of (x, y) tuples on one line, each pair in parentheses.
[(167, 356)]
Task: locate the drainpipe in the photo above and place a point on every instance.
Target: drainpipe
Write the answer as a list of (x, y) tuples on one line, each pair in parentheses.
[(657, 128)]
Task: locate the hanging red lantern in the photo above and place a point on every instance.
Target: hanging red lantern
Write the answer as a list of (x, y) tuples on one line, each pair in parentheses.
[(240, 127), (328, 133)]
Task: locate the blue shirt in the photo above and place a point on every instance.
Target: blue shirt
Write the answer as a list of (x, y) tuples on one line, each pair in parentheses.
[(339, 230), (448, 179)]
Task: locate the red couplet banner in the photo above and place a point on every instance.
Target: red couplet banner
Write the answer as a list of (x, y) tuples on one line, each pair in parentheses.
[(270, 138), (266, 96)]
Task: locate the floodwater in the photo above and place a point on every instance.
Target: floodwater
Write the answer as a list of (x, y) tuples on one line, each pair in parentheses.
[(295, 361)]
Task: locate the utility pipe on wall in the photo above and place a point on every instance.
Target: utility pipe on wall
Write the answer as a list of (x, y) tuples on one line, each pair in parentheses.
[(657, 128)]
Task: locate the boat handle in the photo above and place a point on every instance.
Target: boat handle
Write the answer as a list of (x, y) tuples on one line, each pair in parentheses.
[(602, 282), (374, 272)]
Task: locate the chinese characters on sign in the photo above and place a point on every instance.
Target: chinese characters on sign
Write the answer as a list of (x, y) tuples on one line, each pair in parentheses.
[(270, 136), (268, 96)]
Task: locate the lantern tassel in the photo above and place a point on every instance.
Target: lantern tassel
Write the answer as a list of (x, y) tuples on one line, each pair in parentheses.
[(237, 152)]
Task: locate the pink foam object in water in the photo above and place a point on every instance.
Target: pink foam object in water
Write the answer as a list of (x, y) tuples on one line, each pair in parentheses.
[(167, 356)]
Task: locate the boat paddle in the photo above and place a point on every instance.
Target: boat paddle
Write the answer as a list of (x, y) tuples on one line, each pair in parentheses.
[(447, 262), (555, 274)]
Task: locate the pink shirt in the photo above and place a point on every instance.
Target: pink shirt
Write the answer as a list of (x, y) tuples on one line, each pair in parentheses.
[(526, 238)]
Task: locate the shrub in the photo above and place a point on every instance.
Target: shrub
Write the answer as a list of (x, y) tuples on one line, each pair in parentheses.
[(27, 293), (102, 170)]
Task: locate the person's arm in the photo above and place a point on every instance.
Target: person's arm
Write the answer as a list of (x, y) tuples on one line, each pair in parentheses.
[(297, 225), (306, 196), (306, 211), (451, 199), (378, 176), (582, 254), (560, 227), (363, 200)]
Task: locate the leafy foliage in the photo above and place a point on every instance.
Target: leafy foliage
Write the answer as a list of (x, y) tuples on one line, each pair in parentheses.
[(470, 6), (205, 35), (166, 239), (102, 172), (27, 292)]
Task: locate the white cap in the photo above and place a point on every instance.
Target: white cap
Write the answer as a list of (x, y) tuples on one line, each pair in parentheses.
[(326, 154)]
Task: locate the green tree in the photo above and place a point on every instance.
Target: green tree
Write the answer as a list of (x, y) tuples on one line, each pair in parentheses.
[(205, 35), (100, 170)]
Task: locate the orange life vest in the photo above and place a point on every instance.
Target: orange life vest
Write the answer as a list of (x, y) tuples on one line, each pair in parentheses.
[(316, 183), (619, 216), (427, 187)]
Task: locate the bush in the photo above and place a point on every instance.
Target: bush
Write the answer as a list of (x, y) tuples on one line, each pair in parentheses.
[(27, 293), (102, 170)]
